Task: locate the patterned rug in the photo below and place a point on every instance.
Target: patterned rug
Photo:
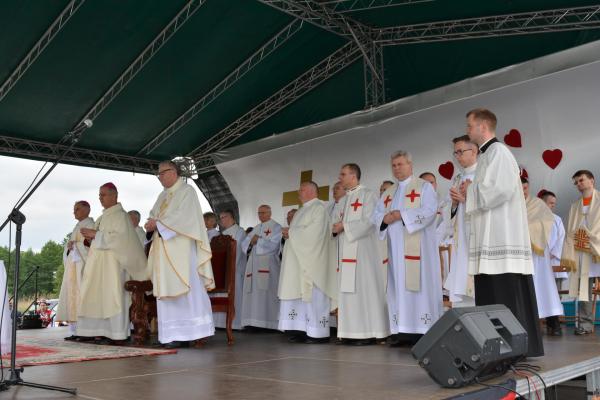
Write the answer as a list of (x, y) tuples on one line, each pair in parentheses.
[(44, 351)]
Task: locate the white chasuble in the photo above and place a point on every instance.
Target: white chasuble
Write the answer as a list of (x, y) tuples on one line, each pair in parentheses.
[(220, 318), (459, 283), (495, 197), (306, 266), (115, 256), (362, 307), (179, 259), (74, 262), (261, 278), (410, 310)]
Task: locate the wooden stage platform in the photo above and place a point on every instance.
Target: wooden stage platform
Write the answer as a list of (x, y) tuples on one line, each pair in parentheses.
[(263, 365)]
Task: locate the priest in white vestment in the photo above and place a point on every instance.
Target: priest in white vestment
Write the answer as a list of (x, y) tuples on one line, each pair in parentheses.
[(362, 306), (405, 216), (307, 284), (135, 217), (261, 305), (556, 250), (115, 256), (75, 256), (581, 250), (459, 283), (5, 313), (179, 260), (543, 239), (230, 228), (210, 220), (499, 243)]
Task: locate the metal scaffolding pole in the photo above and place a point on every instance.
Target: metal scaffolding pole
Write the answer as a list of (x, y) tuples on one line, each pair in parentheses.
[(39, 46), (265, 50), (347, 6)]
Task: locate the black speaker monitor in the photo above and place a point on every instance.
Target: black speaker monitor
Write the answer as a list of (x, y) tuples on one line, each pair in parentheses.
[(469, 343)]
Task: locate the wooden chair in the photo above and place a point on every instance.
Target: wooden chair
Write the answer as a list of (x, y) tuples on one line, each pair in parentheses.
[(142, 309), (222, 298), (448, 250)]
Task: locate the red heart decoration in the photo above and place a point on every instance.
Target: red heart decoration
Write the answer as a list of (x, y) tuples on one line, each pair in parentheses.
[(513, 138), (523, 173), (446, 170), (552, 157), (541, 193)]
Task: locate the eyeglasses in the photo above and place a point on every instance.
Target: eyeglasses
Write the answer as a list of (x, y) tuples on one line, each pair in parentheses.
[(161, 173), (459, 153)]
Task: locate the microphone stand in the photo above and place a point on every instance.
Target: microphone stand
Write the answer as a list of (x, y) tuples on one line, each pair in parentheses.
[(18, 219)]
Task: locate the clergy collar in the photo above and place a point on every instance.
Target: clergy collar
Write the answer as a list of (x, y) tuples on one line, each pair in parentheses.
[(175, 186), (353, 189), (487, 144), (471, 169), (405, 181), (112, 209), (311, 201)]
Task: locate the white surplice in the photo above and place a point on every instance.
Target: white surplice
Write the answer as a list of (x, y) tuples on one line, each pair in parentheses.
[(556, 249), (5, 318), (546, 292), (362, 307), (220, 318), (261, 279), (412, 311), (459, 283)]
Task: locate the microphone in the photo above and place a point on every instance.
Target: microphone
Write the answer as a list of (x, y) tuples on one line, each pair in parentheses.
[(75, 133)]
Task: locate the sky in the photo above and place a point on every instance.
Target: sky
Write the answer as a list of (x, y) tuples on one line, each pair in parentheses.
[(49, 211)]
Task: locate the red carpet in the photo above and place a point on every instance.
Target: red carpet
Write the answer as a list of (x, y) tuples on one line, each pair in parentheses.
[(43, 351)]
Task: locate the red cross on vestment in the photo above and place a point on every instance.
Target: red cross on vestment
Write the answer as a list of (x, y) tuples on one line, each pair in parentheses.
[(356, 204), (387, 200), (412, 195), (267, 232)]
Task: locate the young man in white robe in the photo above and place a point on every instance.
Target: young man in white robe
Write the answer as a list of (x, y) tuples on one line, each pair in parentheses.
[(581, 250), (556, 249), (230, 228), (115, 256), (405, 216), (499, 243), (210, 220), (307, 284), (135, 217), (459, 283), (261, 305), (75, 256), (179, 260), (6, 313), (362, 308), (543, 239)]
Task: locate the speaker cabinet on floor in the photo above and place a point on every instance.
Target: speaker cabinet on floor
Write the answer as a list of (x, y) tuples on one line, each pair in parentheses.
[(471, 343)]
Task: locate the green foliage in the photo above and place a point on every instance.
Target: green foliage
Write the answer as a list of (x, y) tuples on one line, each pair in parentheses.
[(48, 259)]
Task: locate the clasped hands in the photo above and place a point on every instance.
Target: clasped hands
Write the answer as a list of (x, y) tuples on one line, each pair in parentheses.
[(150, 225), (459, 195), (392, 217), (89, 234)]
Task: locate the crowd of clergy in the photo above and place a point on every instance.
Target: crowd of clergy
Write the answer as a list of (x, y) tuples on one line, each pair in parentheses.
[(367, 263)]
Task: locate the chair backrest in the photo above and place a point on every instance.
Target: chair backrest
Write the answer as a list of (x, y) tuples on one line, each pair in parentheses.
[(223, 263)]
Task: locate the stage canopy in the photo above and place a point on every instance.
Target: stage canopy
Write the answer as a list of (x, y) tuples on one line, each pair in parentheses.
[(161, 79)]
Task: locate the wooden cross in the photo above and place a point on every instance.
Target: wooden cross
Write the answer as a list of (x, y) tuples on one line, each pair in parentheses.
[(412, 195), (291, 198)]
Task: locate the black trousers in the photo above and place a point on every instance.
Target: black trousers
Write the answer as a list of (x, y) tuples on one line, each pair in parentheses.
[(517, 293)]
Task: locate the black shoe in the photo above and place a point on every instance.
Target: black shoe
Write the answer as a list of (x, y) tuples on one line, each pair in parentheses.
[(297, 338), (555, 332), (394, 340), (72, 338), (579, 331), (359, 342), (84, 339), (312, 340)]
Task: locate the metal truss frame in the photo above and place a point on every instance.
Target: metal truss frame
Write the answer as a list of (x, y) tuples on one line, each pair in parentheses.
[(347, 6), (142, 59), (309, 80), (93, 158), (40, 46), (556, 20), (265, 50)]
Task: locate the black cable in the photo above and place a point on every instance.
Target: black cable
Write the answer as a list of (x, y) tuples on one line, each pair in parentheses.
[(31, 184), (499, 386), (536, 374)]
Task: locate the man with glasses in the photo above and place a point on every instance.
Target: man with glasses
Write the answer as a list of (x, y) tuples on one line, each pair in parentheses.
[(581, 250), (458, 283), (179, 261), (261, 279)]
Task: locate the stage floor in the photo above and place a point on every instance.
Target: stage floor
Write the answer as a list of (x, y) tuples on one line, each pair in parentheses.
[(263, 365)]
